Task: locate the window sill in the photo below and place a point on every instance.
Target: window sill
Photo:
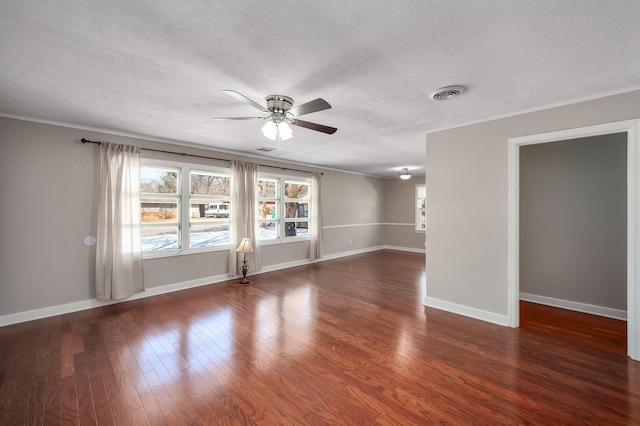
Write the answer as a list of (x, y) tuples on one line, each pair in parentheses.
[(284, 241), (175, 253)]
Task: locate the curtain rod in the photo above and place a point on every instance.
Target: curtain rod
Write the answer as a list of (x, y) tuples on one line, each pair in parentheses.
[(184, 154)]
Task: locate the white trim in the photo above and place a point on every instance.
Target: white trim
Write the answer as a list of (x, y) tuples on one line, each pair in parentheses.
[(153, 291), (466, 311), (513, 238), (284, 265), (632, 128), (586, 308), (633, 241), (538, 108), (93, 303), (353, 225), (350, 225), (194, 145), (409, 249), (350, 253)]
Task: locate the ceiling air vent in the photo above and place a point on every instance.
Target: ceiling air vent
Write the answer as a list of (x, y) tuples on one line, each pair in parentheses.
[(267, 149), (446, 93)]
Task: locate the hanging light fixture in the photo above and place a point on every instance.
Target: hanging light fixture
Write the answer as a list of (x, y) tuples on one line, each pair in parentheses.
[(405, 174), (271, 130)]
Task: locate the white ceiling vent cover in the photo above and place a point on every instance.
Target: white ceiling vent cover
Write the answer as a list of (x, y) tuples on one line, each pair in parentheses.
[(446, 93)]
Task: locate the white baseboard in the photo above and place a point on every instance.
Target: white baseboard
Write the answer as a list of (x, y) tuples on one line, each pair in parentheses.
[(284, 265), (467, 311), (93, 303), (351, 253), (409, 249), (575, 306)]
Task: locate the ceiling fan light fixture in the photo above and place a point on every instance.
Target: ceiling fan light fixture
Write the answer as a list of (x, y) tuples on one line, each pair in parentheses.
[(271, 129), (404, 174), (281, 114)]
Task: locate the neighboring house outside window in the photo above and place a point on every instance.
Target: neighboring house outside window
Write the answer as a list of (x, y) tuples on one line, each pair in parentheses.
[(185, 207), (421, 207), (283, 208)]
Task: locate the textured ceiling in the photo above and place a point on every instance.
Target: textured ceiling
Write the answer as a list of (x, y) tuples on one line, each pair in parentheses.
[(156, 68)]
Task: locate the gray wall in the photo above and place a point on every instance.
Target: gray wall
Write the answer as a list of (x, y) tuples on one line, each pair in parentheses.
[(399, 213), (573, 220), (467, 192), (48, 206)]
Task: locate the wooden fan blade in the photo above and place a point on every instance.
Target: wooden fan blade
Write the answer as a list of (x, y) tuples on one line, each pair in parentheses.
[(314, 126), (239, 118), (243, 98), (312, 106)]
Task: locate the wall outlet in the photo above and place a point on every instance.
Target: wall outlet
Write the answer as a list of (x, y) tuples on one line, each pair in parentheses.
[(350, 242)]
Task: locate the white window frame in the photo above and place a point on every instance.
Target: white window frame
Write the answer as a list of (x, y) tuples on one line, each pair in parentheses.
[(281, 201), (420, 207), (184, 208)]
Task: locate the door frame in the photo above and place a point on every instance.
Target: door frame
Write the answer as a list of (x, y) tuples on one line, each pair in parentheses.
[(632, 128)]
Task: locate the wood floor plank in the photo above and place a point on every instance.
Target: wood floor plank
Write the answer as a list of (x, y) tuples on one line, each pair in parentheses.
[(86, 409), (316, 344), (69, 402)]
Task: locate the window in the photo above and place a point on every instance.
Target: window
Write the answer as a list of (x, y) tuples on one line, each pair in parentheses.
[(421, 207), (268, 208), (160, 205), (184, 207), (296, 200), (209, 218), (283, 208)]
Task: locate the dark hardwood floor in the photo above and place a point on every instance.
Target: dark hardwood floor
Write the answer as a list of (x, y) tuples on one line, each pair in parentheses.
[(344, 342)]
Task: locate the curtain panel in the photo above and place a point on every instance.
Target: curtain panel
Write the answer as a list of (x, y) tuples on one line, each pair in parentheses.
[(316, 243), (244, 215), (119, 241)]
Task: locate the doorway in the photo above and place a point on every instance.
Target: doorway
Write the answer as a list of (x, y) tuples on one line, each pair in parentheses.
[(632, 130)]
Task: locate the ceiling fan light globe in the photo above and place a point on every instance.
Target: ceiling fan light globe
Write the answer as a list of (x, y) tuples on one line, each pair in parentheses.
[(270, 130), (285, 131)]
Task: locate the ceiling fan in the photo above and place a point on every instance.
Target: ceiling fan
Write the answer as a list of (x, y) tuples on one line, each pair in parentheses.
[(280, 113)]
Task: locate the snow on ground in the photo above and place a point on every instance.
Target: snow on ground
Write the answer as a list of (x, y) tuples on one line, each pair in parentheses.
[(205, 239)]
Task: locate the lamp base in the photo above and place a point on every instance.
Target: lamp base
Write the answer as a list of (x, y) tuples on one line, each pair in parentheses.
[(244, 280)]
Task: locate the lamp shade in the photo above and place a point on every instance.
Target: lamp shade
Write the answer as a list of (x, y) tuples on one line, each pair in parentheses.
[(245, 246)]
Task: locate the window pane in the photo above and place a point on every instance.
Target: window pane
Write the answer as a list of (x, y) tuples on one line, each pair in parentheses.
[(209, 184), (267, 210), (296, 190), (423, 219), (294, 210), (296, 229), (160, 180), (212, 233), (159, 211), (269, 231), (267, 188), (160, 238)]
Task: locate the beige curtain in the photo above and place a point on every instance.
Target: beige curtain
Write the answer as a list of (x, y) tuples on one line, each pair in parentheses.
[(244, 215), (316, 245), (119, 242)]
